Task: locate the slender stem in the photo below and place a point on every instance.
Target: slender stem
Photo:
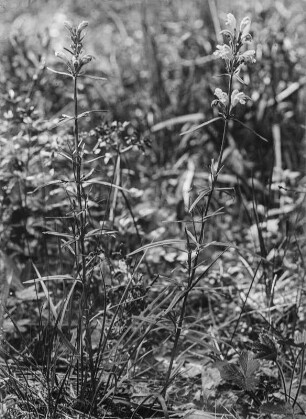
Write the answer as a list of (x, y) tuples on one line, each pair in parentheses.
[(282, 378), (175, 343), (192, 271), (302, 353), (81, 257)]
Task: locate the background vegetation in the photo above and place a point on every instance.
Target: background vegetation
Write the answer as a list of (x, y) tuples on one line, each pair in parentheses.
[(103, 343)]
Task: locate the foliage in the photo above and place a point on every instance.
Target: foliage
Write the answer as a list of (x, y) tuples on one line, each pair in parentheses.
[(156, 267)]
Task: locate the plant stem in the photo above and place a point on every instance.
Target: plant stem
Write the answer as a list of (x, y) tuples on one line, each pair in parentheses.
[(282, 378), (302, 353), (81, 257), (192, 271)]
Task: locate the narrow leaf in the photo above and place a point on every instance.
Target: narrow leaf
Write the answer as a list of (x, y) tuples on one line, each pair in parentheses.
[(250, 129), (54, 233), (92, 77), (202, 125), (100, 182), (49, 278), (201, 195), (46, 292), (193, 239), (195, 117), (168, 242), (99, 231), (87, 113), (62, 73)]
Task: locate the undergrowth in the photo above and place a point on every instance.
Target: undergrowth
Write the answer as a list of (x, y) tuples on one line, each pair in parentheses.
[(137, 288)]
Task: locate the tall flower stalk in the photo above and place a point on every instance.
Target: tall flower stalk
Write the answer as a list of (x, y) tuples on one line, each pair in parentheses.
[(231, 51), (75, 61)]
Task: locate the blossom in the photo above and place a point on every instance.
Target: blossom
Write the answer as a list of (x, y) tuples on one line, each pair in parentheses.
[(248, 56), (224, 52), (245, 26), (222, 96), (238, 97), (231, 22)]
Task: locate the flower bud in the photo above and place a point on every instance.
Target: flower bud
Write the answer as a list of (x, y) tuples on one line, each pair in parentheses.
[(75, 63), (82, 26), (247, 39), (62, 56), (231, 22), (68, 26), (245, 26), (86, 59)]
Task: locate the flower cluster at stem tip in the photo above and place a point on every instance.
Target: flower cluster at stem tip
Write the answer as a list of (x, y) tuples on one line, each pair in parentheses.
[(77, 60), (231, 53)]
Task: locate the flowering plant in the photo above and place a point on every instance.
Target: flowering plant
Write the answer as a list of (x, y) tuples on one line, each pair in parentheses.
[(231, 53), (77, 60)]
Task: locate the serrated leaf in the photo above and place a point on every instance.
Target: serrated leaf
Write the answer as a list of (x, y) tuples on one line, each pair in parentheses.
[(249, 366), (232, 372), (277, 408), (243, 375)]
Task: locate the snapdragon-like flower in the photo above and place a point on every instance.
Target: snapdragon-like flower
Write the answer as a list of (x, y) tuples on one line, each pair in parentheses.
[(247, 57), (224, 52), (238, 97), (222, 96), (234, 59)]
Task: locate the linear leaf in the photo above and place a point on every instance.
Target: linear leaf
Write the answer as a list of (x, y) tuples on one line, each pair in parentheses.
[(201, 195), (49, 278), (195, 117), (100, 231), (55, 233), (62, 73), (92, 77), (202, 125), (100, 182), (168, 242), (52, 182), (250, 129), (87, 113), (45, 290)]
